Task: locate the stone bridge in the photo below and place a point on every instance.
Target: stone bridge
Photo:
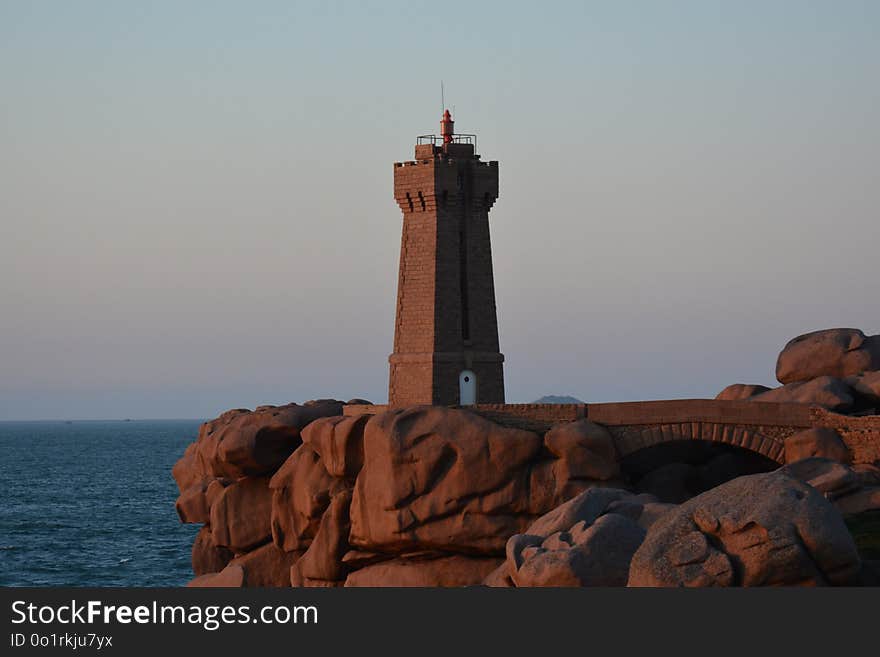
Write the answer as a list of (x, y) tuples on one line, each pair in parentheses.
[(760, 427)]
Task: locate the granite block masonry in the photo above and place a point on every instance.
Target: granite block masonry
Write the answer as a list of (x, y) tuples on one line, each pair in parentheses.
[(446, 349)]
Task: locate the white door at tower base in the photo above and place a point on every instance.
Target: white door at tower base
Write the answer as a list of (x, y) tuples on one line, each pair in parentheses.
[(467, 388)]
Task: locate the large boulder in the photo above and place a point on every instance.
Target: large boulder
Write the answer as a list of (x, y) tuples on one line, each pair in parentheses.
[(584, 555), (818, 441), (446, 479), (586, 508), (852, 489), (585, 451), (266, 566), (763, 529), (323, 559), (207, 556), (587, 541), (231, 576), (192, 504), (825, 391), (437, 571), (186, 471), (240, 516), (339, 441), (249, 443), (739, 391), (831, 478), (838, 352), (301, 492), (866, 386)]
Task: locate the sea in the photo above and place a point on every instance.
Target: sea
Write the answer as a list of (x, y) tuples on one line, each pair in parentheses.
[(91, 503)]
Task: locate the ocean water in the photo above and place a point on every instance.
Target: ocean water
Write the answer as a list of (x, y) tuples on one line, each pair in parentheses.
[(92, 503)]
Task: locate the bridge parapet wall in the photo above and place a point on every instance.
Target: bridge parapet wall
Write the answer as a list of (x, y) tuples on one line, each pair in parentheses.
[(757, 426)]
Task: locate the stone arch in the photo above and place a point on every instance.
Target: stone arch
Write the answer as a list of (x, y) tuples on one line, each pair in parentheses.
[(766, 441)]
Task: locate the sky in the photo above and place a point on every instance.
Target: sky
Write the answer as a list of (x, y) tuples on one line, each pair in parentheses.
[(196, 206)]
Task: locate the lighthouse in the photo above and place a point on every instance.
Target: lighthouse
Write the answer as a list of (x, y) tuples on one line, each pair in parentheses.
[(446, 349)]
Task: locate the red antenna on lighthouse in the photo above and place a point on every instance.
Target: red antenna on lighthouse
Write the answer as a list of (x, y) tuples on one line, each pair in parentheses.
[(447, 127)]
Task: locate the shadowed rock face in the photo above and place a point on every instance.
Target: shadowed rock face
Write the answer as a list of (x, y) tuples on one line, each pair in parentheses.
[(582, 555), (240, 514), (448, 570), (854, 490), (866, 387), (587, 541), (301, 492), (446, 479), (760, 530), (820, 441), (677, 471), (207, 556), (322, 560), (265, 566)]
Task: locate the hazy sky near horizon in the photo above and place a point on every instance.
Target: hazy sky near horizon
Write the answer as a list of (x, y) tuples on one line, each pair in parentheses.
[(196, 205)]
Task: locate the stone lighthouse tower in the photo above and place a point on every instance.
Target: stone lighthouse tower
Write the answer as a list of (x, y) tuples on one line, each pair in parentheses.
[(446, 348)]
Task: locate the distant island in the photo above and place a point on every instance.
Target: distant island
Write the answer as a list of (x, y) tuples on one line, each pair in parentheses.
[(558, 399)]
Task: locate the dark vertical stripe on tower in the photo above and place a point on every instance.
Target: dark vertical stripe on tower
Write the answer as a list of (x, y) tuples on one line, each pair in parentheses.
[(465, 192)]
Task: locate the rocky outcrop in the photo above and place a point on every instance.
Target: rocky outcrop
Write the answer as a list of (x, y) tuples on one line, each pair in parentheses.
[(229, 577), (830, 478), (243, 443), (339, 442), (266, 566), (837, 369), (837, 352), (759, 530), (240, 514), (323, 560), (301, 492), (587, 541), (446, 571), (207, 556), (853, 490), (741, 391), (424, 494), (584, 452), (224, 483), (437, 496), (819, 441), (449, 480), (192, 505), (866, 387), (825, 391)]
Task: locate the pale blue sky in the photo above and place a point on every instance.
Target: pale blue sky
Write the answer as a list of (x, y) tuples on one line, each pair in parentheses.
[(196, 208)]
